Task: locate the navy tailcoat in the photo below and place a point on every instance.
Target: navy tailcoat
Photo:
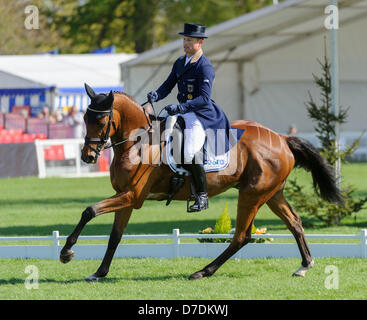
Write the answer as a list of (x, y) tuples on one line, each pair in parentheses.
[(194, 82)]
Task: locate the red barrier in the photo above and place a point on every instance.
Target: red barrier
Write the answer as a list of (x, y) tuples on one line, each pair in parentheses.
[(103, 165)]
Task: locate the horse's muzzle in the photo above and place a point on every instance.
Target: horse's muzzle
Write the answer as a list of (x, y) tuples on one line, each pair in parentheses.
[(89, 156), (89, 159)]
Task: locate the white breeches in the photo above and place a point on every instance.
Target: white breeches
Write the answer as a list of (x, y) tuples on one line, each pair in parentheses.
[(194, 136)]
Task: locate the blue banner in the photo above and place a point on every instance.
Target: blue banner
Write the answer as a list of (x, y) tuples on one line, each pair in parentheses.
[(110, 49)]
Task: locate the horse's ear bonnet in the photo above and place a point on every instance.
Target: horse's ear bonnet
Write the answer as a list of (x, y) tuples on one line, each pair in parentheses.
[(100, 101), (90, 91)]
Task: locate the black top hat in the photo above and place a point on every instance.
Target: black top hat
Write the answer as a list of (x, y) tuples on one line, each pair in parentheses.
[(194, 30)]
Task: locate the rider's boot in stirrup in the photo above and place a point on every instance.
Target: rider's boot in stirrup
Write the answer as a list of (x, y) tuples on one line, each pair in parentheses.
[(199, 178)]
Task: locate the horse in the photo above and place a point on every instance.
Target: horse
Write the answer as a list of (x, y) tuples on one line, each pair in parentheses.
[(262, 160)]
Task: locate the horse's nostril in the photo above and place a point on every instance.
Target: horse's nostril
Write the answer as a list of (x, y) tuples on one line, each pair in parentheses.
[(87, 158)]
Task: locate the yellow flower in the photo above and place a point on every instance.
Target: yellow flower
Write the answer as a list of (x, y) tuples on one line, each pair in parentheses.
[(208, 230), (260, 231)]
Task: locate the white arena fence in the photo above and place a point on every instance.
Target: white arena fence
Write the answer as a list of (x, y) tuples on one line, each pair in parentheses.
[(178, 249)]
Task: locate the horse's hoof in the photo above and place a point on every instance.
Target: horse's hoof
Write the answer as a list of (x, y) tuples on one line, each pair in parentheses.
[(197, 275), (301, 272), (92, 278), (66, 257)]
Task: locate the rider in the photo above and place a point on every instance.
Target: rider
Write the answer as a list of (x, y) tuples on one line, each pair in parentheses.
[(194, 75)]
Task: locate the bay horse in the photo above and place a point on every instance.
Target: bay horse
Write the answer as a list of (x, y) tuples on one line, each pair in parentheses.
[(264, 159)]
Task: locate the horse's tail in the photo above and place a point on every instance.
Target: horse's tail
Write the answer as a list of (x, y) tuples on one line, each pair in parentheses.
[(307, 157)]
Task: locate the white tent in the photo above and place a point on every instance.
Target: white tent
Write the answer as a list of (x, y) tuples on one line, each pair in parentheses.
[(64, 76), (264, 63)]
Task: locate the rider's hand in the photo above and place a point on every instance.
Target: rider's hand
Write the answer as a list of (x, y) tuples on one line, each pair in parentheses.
[(152, 96), (172, 109)]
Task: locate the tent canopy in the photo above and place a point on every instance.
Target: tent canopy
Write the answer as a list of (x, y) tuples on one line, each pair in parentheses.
[(260, 31), (264, 61), (67, 70), (11, 82)]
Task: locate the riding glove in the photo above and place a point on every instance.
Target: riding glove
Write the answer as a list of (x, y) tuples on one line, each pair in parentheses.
[(152, 96), (173, 109)]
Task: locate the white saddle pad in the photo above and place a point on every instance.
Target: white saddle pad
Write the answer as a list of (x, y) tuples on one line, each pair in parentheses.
[(211, 161)]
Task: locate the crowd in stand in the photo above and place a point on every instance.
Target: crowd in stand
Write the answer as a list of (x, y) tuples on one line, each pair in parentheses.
[(18, 126), (73, 119)]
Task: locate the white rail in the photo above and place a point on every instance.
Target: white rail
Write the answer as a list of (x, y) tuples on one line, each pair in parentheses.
[(178, 249)]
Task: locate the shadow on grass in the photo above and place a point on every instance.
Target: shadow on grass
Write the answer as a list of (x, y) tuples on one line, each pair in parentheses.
[(14, 281), (86, 201), (150, 278), (17, 281), (156, 227)]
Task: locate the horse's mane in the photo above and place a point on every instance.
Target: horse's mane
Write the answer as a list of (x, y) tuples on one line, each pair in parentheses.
[(131, 99)]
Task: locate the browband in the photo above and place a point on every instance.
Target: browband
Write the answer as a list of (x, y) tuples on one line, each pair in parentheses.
[(101, 111)]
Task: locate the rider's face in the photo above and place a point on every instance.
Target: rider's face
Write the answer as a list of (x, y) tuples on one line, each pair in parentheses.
[(191, 45)]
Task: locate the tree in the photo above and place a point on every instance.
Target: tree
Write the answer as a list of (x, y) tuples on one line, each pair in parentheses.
[(80, 26), (325, 119), (15, 37), (209, 13), (127, 24)]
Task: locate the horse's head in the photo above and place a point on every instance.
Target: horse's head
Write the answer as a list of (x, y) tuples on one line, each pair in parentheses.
[(98, 120)]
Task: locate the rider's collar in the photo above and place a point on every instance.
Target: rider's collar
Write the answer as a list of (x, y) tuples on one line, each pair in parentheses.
[(197, 56)]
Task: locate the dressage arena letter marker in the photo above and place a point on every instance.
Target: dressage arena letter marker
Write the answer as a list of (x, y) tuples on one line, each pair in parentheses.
[(332, 281), (32, 21), (31, 282), (332, 20)]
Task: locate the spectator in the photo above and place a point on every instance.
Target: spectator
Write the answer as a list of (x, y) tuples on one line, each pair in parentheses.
[(58, 115), (44, 114), (52, 118), (75, 120)]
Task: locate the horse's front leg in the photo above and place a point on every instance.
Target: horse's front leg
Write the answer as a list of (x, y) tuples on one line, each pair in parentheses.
[(115, 203), (121, 220)]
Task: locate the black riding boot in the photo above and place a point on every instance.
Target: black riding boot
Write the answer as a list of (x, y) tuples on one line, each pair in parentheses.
[(198, 174)]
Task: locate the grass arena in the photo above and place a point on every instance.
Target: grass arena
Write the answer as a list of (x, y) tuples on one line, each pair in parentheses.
[(36, 207), (274, 93)]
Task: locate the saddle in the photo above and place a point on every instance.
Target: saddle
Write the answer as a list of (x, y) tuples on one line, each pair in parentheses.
[(173, 154)]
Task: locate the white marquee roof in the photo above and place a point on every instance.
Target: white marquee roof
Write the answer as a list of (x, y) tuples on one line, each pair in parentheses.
[(67, 70)]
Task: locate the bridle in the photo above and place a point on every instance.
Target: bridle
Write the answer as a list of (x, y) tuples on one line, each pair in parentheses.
[(101, 142)]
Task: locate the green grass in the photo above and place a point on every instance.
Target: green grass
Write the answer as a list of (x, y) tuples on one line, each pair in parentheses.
[(31, 207), (166, 279)]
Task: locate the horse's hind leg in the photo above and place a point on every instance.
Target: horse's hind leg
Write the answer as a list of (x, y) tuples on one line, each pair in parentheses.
[(279, 205), (121, 220), (247, 207)]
